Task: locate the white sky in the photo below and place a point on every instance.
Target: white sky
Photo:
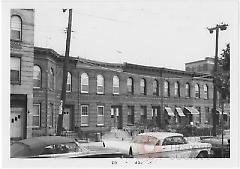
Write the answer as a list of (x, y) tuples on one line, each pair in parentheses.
[(147, 32)]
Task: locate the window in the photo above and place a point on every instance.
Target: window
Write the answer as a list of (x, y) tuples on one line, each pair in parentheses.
[(51, 115), (166, 89), (155, 88), (84, 83), (36, 115), (143, 114), (155, 113), (143, 87), (130, 85), (37, 76), (100, 117), (175, 140), (197, 91), (15, 69), (130, 115), (205, 88), (207, 115), (187, 90), (69, 82), (115, 85), (176, 89), (145, 139), (16, 28), (100, 84), (51, 80), (84, 115)]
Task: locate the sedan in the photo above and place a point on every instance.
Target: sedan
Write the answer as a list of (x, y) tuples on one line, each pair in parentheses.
[(161, 145), (59, 147)]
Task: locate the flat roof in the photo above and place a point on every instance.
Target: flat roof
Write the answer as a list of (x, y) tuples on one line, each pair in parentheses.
[(124, 66)]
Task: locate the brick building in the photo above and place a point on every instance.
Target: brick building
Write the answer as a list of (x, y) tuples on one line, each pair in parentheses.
[(104, 95), (201, 66), (21, 72), (206, 66)]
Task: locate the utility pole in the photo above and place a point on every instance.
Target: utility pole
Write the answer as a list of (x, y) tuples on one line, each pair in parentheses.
[(222, 104), (215, 70), (64, 82)]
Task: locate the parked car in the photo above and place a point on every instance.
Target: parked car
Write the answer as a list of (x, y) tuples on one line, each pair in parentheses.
[(59, 147), (161, 145), (216, 143)]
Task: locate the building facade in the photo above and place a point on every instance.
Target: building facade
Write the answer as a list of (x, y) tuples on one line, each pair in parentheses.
[(21, 72), (201, 66), (207, 66), (101, 96)]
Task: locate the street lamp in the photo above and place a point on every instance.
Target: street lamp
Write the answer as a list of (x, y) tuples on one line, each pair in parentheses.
[(222, 27)]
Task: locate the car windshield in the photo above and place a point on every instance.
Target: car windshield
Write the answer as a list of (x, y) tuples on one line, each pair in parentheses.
[(143, 139), (61, 148)]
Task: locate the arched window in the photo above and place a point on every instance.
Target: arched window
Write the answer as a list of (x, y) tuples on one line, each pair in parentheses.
[(155, 88), (166, 89), (37, 76), (187, 90), (16, 27), (176, 89), (205, 88), (130, 85), (84, 83), (100, 84), (197, 91), (143, 87), (115, 85), (51, 80), (69, 82)]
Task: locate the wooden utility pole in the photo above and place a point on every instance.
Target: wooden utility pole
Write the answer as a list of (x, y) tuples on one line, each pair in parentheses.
[(64, 82), (215, 70), (214, 114)]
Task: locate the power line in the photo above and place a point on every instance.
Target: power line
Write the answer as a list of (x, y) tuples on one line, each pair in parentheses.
[(102, 17)]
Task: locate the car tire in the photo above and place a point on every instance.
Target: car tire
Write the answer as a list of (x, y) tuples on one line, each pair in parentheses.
[(202, 155)]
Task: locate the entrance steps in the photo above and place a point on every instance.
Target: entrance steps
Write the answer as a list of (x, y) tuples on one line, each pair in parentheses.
[(70, 134)]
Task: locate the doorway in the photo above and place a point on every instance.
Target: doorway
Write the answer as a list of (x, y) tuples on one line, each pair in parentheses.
[(116, 117), (68, 118)]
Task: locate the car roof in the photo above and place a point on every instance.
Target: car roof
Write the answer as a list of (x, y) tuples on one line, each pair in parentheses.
[(161, 135), (45, 140), (36, 144)]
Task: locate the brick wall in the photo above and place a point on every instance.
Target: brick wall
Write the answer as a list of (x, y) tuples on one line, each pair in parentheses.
[(24, 49), (124, 99)]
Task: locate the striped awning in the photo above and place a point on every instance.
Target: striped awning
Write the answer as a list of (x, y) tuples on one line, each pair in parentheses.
[(179, 111), (169, 111), (220, 112), (192, 110)]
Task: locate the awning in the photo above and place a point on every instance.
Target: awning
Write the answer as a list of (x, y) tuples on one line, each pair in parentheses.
[(179, 111), (220, 112), (192, 110), (169, 111)]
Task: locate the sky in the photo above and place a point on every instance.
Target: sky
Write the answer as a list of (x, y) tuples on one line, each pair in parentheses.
[(157, 33)]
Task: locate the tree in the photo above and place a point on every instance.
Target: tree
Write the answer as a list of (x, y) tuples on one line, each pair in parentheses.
[(223, 74)]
